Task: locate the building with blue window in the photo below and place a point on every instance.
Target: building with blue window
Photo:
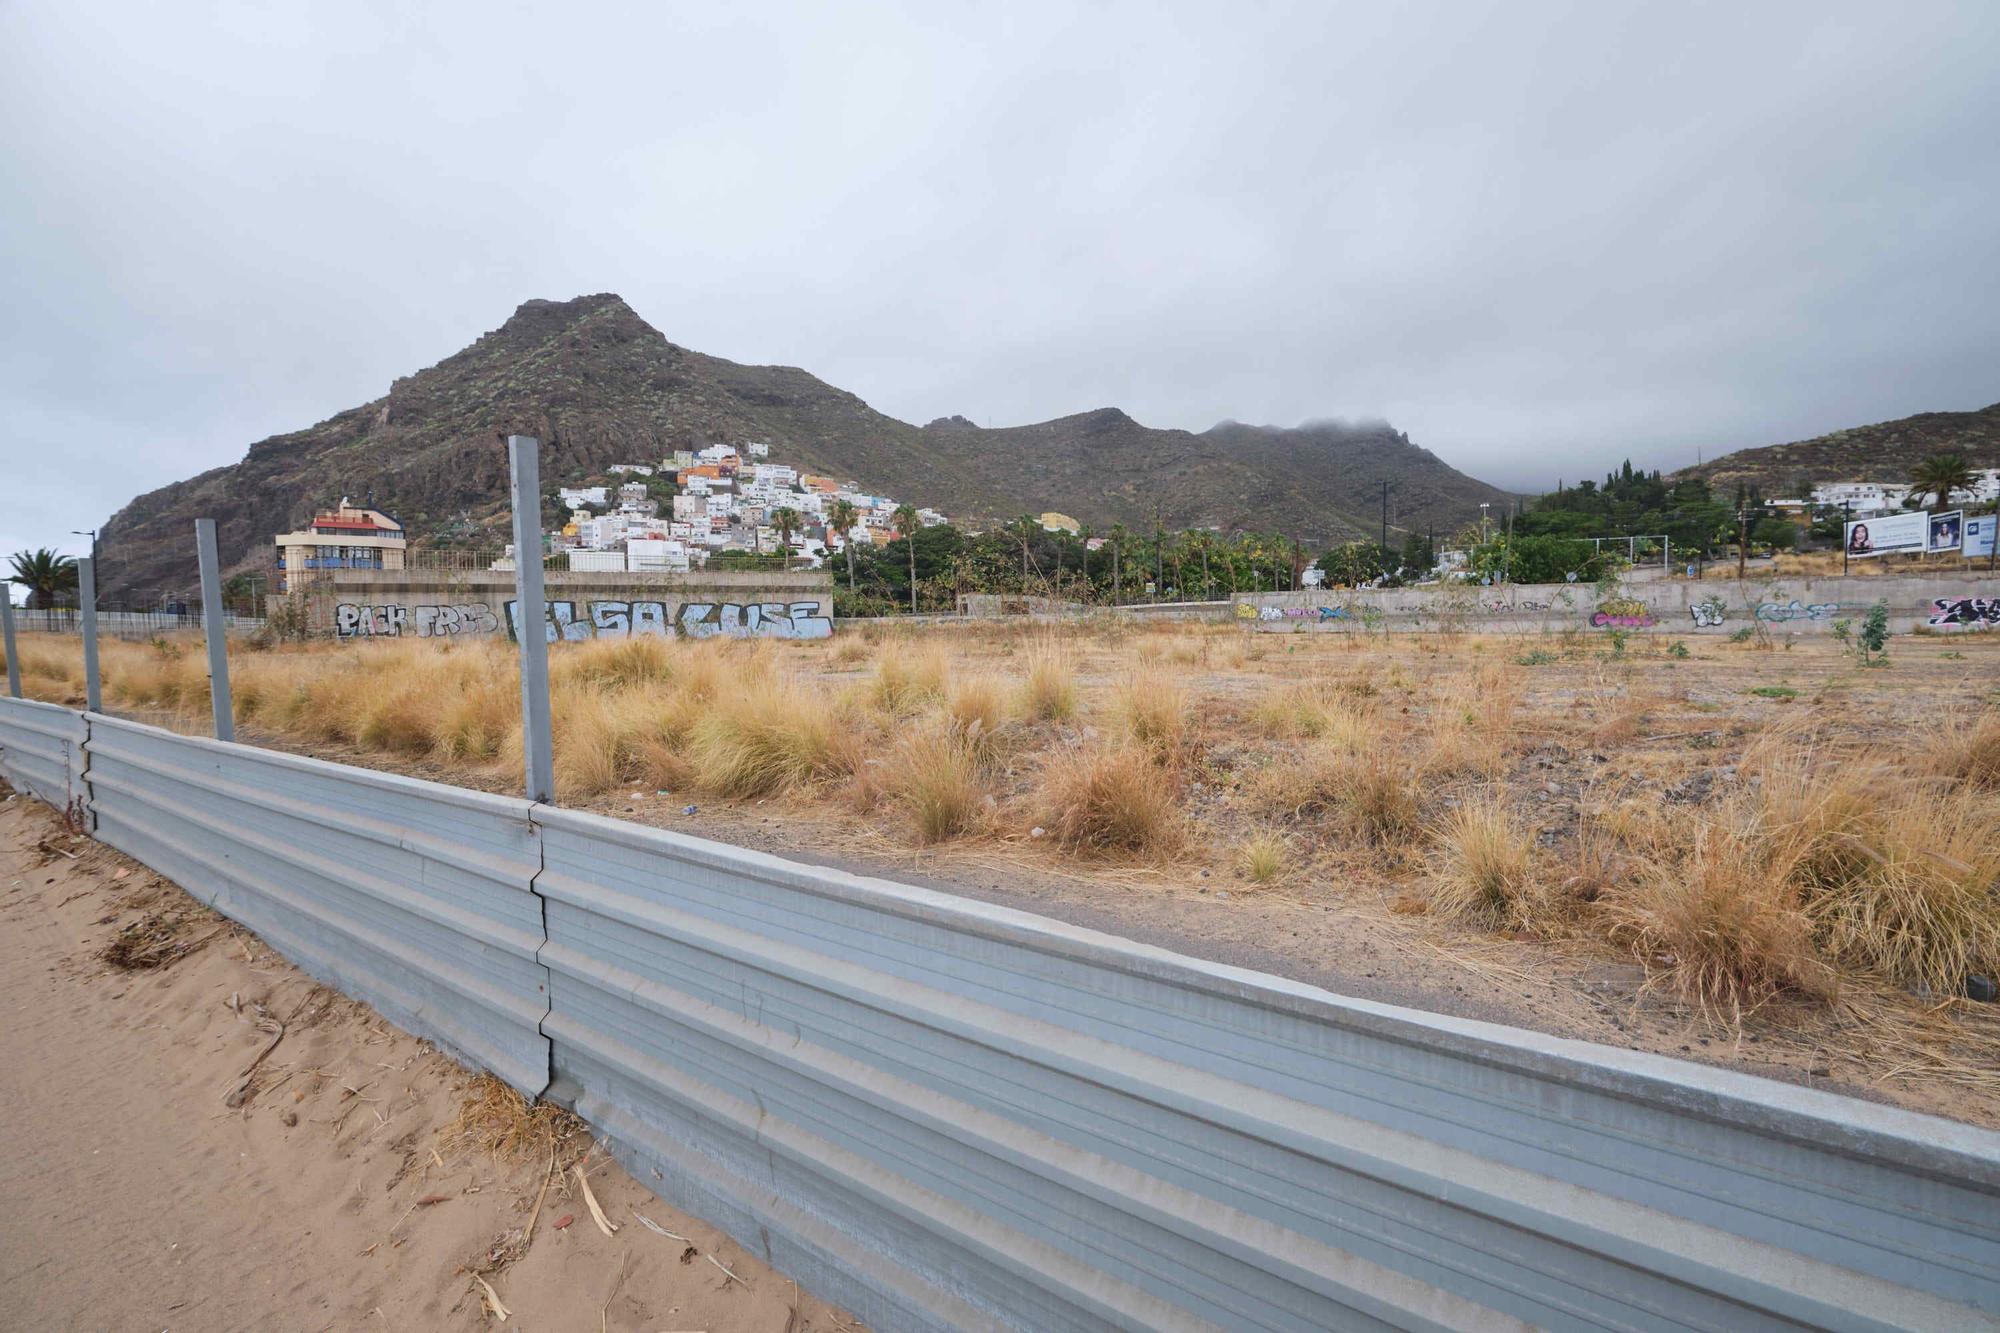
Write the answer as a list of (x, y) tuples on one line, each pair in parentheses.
[(345, 538)]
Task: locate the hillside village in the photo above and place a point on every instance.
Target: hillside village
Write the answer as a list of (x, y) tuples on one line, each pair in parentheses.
[(671, 517), (676, 515), (1865, 499)]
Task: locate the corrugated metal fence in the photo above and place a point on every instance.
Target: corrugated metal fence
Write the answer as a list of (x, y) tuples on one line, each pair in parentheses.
[(41, 750), (943, 1114)]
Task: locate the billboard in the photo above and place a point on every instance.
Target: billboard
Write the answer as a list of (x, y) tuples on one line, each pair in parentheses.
[(1944, 532), (1888, 534), (1979, 535)]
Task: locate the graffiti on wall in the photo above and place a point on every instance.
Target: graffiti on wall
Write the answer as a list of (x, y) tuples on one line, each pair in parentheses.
[(1797, 610), (612, 619), (1709, 614), (358, 620), (1949, 611), (1245, 611), (1623, 613)]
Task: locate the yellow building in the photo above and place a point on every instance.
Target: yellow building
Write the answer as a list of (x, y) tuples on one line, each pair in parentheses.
[(344, 538), (1054, 522)]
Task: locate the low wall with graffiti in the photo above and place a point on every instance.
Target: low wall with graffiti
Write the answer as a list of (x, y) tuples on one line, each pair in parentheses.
[(1789, 606), (358, 604)]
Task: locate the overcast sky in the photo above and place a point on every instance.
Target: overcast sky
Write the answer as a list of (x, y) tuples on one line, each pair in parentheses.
[(1539, 238)]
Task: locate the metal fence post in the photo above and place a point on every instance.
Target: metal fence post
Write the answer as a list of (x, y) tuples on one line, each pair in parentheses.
[(537, 748), (214, 627), (7, 632), (86, 596)]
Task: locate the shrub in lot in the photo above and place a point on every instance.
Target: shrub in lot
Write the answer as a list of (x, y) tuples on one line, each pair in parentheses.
[(936, 781), (1153, 709), (1712, 922), (1484, 864), (1048, 690), (1110, 800), (1262, 857)]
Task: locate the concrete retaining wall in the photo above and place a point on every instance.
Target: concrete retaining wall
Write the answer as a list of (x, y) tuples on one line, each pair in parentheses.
[(1951, 603), (398, 603)]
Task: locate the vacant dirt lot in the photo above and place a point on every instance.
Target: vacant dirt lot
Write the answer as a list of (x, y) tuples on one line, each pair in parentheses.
[(1760, 852)]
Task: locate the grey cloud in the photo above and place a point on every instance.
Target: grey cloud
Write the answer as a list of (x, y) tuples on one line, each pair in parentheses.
[(1537, 238)]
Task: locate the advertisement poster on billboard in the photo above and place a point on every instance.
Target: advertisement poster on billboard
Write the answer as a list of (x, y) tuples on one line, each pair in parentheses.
[(1979, 535), (1945, 530), (1889, 534)]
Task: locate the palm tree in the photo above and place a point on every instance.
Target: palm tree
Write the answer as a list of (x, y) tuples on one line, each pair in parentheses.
[(45, 575), (1940, 475), (1025, 528), (1200, 540), (786, 520), (843, 517), (907, 523), (1118, 538)]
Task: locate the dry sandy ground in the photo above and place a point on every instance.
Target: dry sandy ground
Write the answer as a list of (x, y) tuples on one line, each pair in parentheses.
[(137, 1198)]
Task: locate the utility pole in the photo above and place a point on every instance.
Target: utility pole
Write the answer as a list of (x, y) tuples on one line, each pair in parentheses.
[(1743, 538), (1846, 516), (1385, 514)]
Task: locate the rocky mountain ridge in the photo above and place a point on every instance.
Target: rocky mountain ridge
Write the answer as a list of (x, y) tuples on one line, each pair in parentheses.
[(598, 385)]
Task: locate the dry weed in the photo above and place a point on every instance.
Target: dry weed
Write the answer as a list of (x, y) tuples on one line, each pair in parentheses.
[(1153, 709), (1261, 857), (1715, 924), (1048, 689), (1485, 864), (1110, 800), (496, 1120), (936, 781)]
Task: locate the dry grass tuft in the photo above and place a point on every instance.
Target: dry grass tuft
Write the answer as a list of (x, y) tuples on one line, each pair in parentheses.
[(1153, 709), (977, 707), (1048, 689), (478, 720), (1485, 865), (1458, 745), (936, 781), (1317, 712), (1261, 857), (1896, 874), (635, 661), (907, 681), (1715, 924), (1111, 800), (1968, 750), (1369, 796), (772, 736), (596, 734), (496, 1120)]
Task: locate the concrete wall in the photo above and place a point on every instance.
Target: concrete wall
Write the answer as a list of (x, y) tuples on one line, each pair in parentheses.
[(1949, 603), (424, 604)]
